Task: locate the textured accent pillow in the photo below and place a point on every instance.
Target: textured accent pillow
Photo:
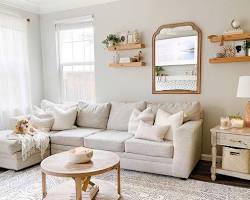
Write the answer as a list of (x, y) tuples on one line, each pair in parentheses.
[(146, 116), (120, 114), (42, 124), (149, 132), (173, 121), (64, 119), (93, 115)]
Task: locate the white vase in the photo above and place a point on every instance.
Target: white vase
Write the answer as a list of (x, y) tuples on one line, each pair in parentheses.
[(248, 52)]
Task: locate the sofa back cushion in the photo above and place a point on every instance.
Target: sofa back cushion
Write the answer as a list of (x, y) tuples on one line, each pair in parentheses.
[(120, 113), (63, 119), (93, 115), (192, 110)]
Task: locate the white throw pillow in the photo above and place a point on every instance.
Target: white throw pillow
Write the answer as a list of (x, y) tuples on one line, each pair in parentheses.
[(48, 106), (173, 121), (42, 124), (64, 119), (149, 132), (146, 116)]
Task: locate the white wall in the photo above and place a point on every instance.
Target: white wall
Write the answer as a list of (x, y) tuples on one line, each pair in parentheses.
[(219, 81), (34, 48)]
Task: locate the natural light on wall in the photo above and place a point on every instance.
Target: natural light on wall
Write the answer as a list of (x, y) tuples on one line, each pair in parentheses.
[(76, 59)]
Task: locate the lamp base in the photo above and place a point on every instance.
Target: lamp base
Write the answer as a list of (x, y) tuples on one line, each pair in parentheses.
[(247, 115)]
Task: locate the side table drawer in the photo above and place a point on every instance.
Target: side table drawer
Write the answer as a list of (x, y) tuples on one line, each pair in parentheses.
[(240, 141)]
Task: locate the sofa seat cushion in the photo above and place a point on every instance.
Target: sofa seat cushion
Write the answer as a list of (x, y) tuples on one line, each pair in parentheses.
[(149, 148), (8, 146), (108, 140), (73, 137)]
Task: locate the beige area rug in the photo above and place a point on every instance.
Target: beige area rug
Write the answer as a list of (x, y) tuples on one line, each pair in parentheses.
[(26, 185)]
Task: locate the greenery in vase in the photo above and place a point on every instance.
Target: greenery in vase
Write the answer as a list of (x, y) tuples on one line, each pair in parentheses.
[(158, 70), (247, 45), (113, 39)]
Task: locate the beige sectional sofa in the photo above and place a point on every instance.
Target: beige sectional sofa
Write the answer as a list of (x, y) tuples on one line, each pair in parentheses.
[(175, 158)]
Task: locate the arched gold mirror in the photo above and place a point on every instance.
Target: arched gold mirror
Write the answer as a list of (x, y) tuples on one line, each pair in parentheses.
[(176, 59)]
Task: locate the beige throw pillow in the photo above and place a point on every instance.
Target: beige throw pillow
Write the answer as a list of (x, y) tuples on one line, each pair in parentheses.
[(173, 121), (146, 116), (42, 124), (149, 132), (64, 119), (93, 115)]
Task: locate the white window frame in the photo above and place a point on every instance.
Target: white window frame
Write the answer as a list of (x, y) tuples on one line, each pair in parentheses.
[(68, 22)]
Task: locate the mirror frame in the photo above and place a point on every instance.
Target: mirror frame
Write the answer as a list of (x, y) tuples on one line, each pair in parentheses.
[(196, 28)]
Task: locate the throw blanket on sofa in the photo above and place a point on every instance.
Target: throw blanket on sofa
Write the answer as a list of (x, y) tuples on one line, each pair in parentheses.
[(30, 143)]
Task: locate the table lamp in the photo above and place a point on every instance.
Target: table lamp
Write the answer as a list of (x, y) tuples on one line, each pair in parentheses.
[(244, 92)]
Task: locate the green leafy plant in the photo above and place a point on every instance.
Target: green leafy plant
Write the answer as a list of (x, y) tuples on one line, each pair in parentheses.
[(158, 70), (235, 116), (111, 39), (247, 44)]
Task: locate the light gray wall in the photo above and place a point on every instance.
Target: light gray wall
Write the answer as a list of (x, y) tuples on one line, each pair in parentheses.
[(219, 81), (34, 48)]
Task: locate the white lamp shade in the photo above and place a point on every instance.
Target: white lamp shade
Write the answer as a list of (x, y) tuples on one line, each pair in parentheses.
[(244, 87)]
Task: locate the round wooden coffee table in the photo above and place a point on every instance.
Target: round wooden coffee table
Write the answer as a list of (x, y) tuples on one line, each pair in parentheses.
[(101, 162)]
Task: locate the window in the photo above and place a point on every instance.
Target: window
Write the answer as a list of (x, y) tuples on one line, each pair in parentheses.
[(15, 90), (76, 59)]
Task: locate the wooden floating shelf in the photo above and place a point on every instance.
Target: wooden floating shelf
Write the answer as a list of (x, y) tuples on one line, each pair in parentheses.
[(131, 64), (123, 47), (230, 59), (232, 37)]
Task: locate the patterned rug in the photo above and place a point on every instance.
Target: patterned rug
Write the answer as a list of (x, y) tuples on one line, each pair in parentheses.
[(26, 185)]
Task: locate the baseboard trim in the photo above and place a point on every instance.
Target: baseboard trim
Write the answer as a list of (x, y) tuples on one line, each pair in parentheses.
[(208, 157)]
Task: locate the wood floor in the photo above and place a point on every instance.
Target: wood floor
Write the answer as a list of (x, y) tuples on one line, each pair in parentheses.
[(202, 173)]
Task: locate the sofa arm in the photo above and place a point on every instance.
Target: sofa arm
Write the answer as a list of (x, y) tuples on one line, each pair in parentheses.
[(187, 141)]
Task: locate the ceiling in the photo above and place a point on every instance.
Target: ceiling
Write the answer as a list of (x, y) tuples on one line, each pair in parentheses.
[(47, 6)]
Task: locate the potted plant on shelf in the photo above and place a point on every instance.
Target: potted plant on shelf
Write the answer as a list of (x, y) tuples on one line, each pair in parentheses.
[(159, 70), (111, 40), (247, 47)]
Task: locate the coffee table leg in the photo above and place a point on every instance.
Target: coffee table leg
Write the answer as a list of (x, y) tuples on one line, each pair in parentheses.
[(44, 187), (118, 180), (78, 188)]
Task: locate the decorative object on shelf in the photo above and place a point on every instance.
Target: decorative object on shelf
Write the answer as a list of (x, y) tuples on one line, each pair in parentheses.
[(80, 155), (247, 47), (236, 121), (229, 50), (138, 57), (220, 55), (125, 60), (236, 28), (240, 48), (224, 123), (159, 70), (123, 37), (111, 40), (244, 92), (136, 37), (130, 38)]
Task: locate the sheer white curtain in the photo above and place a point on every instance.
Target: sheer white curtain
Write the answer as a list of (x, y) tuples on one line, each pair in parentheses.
[(15, 95)]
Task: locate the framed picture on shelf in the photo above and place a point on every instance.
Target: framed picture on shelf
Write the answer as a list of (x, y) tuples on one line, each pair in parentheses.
[(240, 48), (124, 37)]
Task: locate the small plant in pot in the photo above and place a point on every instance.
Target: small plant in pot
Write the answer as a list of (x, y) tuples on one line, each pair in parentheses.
[(247, 47), (111, 40), (159, 70)]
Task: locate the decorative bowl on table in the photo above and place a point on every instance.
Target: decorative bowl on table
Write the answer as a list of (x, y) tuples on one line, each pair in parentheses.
[(80, 155)]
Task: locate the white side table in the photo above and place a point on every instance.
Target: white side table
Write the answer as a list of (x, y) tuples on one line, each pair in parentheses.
[(232, 137)]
